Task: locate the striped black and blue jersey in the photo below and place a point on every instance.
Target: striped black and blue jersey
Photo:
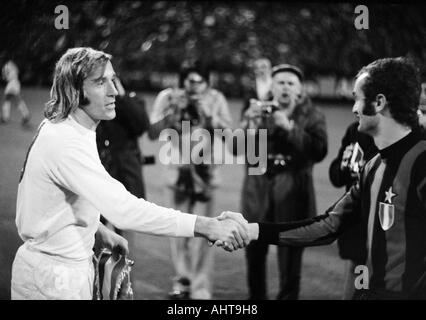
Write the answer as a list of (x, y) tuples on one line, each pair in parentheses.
[(390, 204)]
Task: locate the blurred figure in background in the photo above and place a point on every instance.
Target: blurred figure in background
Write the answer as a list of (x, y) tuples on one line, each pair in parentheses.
[(356, 149), (12, 93), (192, 184), (422, 106), (297, 138), (117, 142), (260, 87)]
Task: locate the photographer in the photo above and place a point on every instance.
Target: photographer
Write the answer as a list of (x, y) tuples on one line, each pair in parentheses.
[(192, 184), (297, 139)]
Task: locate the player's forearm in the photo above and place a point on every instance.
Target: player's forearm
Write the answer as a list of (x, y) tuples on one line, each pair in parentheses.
[(311, 232), (204, 227), (155, 128)]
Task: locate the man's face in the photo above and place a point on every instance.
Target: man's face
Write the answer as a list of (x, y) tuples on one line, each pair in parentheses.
[(262, 67), (367, 123), (422, 106), (194, 83), (286, 89), (99, 89)]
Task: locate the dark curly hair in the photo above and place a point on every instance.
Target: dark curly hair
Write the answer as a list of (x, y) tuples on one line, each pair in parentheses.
[(398, 79), (196, 66)]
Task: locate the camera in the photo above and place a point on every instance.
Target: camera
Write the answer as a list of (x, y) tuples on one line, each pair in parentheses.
[(355, 162), (267, 107), (185, 108), (191, 113), (146, 160), (357, 159)]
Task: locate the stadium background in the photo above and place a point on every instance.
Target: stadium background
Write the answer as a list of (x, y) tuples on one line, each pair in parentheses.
[(149, 40), (322, 276)]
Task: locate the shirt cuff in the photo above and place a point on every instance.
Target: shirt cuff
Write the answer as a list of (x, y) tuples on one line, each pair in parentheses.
[(185, 224)]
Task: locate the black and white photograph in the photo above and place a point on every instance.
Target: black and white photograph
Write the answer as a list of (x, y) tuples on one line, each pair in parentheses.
[(224, 153)]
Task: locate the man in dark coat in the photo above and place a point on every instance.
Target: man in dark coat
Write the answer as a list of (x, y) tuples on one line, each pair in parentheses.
[(297, 139), (118, 144)]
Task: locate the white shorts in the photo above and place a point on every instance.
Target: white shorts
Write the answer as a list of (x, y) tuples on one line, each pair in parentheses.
[(39, 276)]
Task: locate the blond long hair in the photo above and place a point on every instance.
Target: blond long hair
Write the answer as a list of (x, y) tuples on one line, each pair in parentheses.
[(71, 70)]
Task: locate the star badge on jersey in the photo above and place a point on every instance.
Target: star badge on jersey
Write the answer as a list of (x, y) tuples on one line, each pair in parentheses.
[(387, 210)]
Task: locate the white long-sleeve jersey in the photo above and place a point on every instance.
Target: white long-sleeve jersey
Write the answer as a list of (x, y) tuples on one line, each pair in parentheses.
[(64, 188)]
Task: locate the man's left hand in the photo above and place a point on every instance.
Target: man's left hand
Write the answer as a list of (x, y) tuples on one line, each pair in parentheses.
[(111, 240)]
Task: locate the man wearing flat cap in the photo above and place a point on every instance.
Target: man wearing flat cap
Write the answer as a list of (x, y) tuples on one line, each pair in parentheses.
[(297, 139)]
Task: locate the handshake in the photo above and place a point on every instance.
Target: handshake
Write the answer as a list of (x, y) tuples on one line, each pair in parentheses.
[(229, 231)]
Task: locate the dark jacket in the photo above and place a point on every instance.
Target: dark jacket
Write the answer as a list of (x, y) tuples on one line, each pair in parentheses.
[(350, 243), (341, 178), (118, 145), (286, 193)]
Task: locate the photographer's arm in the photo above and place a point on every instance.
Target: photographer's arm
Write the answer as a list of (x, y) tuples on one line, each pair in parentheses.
[(309, 141), (250, 119), (223, 117), (161, 115), (156, 127)]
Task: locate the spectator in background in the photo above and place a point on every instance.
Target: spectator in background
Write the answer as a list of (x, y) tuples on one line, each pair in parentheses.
[(297, 138), (260, 86), (12, 94), (344, 172), (192, 184), (422, 106), (118, 144)]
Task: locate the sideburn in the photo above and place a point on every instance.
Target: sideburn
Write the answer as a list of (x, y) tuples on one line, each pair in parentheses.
[(84, 101), (369, 109)]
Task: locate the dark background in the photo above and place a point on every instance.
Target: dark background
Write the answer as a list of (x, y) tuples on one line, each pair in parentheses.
[(150, 39)]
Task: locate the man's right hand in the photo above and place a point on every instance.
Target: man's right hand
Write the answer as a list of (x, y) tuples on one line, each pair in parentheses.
[(252, 116), (254, 110), (251, 228), (228, 231)]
